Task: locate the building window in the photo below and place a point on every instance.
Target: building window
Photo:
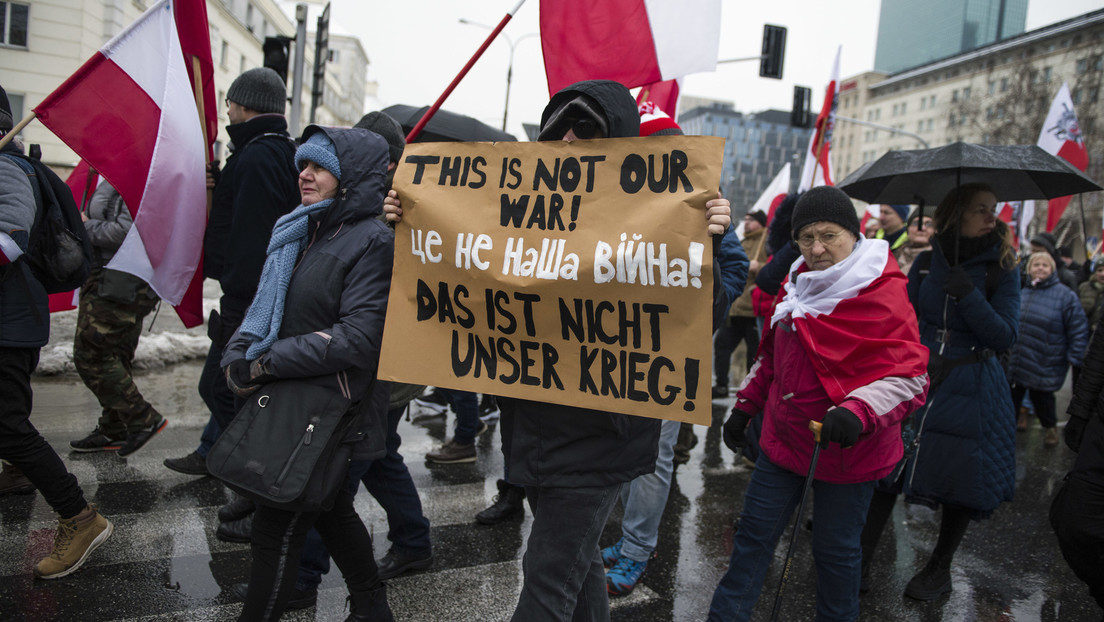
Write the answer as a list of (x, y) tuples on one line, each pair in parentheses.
[(224, 53), (992, 87), (929, 125), (1046, 74), (966, 93), (894, 113), (954, 96), (13, 23), (15, 100), (920, 126), (1076, 96), (1082, 65), (904, 105), (249, 17), (923, 103), (1004, 85)]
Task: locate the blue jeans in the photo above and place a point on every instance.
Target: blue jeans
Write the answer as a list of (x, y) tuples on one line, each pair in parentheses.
[(389, 482), (466, 406), (646, 497), (564, 579), (211, 432), (839, 513)]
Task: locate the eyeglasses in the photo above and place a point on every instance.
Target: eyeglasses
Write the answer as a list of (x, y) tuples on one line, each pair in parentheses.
[(585, 128), (826, 239)]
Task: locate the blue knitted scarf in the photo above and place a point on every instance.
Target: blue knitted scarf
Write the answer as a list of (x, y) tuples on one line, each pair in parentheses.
[(262, 322)]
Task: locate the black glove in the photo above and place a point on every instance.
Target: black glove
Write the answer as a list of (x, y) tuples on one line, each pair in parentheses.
[(239, 379), (258, 372), (840, 426), (958, 284), (1075, 430), (733, 431)]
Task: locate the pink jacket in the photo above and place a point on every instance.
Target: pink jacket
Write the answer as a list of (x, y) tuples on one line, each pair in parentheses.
[(784, 385)]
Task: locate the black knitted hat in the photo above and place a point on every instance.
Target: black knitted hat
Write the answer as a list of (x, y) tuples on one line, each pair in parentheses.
[(387, 127), (825, 204), (259, 89)]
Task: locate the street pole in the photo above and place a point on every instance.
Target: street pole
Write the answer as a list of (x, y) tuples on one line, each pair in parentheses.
[(887, 128), (297, 70), (509, 67)]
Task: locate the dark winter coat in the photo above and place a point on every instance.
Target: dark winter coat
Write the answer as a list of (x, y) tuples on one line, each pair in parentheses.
[(1087, 402), (1053, 336), (1091, 294), (255, 188), (966, 454), (337, 298), (555, 445), (24, 310)]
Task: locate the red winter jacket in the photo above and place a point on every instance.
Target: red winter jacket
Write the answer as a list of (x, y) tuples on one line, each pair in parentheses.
[(789, 389)]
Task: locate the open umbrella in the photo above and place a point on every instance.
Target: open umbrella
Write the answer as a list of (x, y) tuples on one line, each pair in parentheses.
[(445, 126), (925, 176)]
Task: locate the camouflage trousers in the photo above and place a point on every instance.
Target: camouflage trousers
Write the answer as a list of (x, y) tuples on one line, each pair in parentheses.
[(108, 328)]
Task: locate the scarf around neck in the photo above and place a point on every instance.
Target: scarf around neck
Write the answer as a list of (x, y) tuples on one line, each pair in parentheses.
[(264, 317)]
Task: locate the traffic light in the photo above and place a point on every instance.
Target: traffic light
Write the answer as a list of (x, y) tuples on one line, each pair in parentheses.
[(802, 115), (774, 52), (276, 53)]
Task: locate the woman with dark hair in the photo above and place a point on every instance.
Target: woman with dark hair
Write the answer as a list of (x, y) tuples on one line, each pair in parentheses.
[(318, 316), (968, 308)]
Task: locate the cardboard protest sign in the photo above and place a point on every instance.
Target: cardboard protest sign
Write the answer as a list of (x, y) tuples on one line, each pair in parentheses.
[(573, 273)]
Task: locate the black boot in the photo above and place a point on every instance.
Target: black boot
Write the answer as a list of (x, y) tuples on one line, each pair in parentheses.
[(370, 606), (507, 503), (237, 509), (934, 579)]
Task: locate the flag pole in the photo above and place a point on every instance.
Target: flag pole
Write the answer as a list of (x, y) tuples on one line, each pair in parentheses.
[(197, 92), (417, 129), (7, 138)]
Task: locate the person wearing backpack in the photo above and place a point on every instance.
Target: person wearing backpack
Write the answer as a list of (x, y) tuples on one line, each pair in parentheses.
[(24, 329), (109, 323)]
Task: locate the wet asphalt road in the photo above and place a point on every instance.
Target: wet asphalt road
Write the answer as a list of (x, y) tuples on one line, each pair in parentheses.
[(164, 562)]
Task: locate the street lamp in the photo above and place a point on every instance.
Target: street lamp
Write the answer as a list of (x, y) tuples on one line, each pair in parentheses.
[(509, 67)]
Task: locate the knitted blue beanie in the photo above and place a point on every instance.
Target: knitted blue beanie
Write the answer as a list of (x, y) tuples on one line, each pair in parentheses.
[(902, 211), (318, 148)]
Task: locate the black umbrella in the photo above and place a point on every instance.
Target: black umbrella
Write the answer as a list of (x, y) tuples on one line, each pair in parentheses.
[(445, 126), (925, 176)]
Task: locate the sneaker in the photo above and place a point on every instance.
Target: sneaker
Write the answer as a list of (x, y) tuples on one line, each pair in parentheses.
[(13, 482), (488, 408), (299, 599), (483, 427), (138, 440), (452, 453), (508, 503), (623, 577), (96, 441), (1050, 438), (75, 538), (192, 464), (397, 562), (611, 554), (930, 583), (720, 392), (433, 401)]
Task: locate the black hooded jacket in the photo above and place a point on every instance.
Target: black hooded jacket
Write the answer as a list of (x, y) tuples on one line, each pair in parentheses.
[(256, 187), (780, 246), (564, 446), (336, 301)]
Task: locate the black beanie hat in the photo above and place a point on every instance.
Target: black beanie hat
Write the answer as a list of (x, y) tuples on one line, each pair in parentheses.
[(387, 127), (6, 121), (259, 89), (759, 217), (825, 204)]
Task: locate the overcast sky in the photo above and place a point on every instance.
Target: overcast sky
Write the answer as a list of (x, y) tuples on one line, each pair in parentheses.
[(416, 47)]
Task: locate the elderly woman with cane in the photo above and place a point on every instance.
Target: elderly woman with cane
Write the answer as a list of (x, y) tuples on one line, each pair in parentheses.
[(842, 349)]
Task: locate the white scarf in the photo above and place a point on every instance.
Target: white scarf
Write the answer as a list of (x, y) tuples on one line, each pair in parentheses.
[(815, 292)]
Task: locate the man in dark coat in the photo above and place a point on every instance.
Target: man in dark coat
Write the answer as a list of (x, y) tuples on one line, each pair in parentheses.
[(573, 461), (255, 188)]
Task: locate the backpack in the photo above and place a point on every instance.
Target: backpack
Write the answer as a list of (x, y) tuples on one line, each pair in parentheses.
[(59, 253)]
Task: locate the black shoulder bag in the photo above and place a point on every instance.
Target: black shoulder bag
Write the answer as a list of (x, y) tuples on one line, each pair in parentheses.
[(285, 447)]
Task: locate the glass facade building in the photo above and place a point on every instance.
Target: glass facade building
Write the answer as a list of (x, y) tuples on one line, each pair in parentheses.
[(912, 33)]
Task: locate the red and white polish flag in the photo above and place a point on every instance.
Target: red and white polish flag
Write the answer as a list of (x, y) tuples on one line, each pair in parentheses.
[(130, 112), (1061, 136), (777, 190), (817, 170), (634, 42)]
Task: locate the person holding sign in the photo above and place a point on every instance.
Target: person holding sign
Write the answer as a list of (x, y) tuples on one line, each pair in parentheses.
[(573, 460), (842, 348)]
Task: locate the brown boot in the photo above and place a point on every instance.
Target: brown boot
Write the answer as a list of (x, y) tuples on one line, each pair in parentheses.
[(75, 538), (1021, 420), (13, 482)]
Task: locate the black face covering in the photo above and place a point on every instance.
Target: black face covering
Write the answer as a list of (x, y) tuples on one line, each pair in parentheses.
[(581, 114)]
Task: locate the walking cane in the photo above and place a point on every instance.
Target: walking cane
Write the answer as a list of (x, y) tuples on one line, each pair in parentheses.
[(815, 427)]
